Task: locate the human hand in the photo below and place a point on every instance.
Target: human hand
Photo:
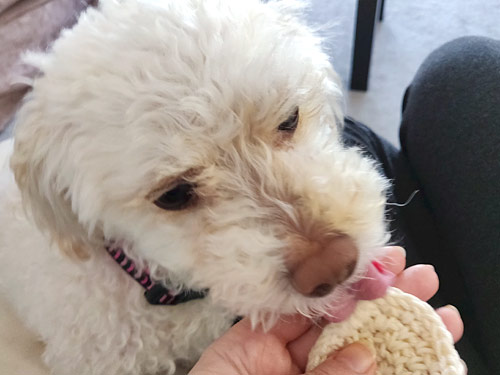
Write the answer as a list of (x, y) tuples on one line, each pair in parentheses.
[(284, 349)]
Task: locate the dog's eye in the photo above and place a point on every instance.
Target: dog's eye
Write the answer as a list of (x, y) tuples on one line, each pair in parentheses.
[(177, 198), (291, 122)]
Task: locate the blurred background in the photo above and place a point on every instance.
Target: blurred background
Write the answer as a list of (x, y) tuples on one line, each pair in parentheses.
[(409, 31)]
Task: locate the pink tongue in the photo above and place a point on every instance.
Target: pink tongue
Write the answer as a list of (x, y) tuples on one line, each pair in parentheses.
[(373, 285)]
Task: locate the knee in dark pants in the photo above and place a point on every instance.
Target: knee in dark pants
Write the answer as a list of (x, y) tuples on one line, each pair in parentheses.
[(458, 60), (450, 135), (457, 80)]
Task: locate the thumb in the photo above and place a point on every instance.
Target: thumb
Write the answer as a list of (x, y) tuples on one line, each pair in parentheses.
[(352, 360)]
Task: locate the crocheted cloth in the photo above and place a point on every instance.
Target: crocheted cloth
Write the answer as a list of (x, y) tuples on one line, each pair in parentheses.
[(406, 334)]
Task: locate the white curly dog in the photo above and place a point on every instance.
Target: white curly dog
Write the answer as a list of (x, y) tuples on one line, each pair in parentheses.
[(197, 144)]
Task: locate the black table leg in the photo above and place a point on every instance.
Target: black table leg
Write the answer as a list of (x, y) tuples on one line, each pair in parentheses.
[(365, 25), (381, 11)]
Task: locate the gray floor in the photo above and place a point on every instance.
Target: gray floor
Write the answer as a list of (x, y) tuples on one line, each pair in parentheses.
[(409, 32)]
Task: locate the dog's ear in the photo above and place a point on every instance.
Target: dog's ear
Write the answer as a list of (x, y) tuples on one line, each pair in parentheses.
[(37, 163)]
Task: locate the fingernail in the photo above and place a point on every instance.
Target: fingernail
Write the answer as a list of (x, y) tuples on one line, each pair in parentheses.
[(357, 358), (452, 307), (400, 250)]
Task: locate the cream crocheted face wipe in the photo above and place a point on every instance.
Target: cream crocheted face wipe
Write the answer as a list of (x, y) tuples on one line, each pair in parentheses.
[(406, 334)]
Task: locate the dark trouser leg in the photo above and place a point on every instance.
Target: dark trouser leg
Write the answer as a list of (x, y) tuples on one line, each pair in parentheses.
[(451, 136)]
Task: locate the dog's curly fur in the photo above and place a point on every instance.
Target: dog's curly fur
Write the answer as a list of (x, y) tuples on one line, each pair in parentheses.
[(138, 96)]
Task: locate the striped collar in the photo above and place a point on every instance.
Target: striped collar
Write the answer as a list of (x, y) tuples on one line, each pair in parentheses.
[(155, 293)]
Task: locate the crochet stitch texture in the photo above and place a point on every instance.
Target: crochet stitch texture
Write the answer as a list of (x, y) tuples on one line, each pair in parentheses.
[(406, 334)]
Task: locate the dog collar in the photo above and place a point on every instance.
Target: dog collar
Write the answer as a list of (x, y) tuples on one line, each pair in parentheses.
[(155, 293)]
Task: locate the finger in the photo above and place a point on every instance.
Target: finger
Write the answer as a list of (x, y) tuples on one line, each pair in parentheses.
[(452, 320), (299, 349), (394, 259), (420, 280), (353, 359), (288, 328)]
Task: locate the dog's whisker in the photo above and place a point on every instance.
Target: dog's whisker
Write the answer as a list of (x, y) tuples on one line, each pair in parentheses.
[(408, 201)]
